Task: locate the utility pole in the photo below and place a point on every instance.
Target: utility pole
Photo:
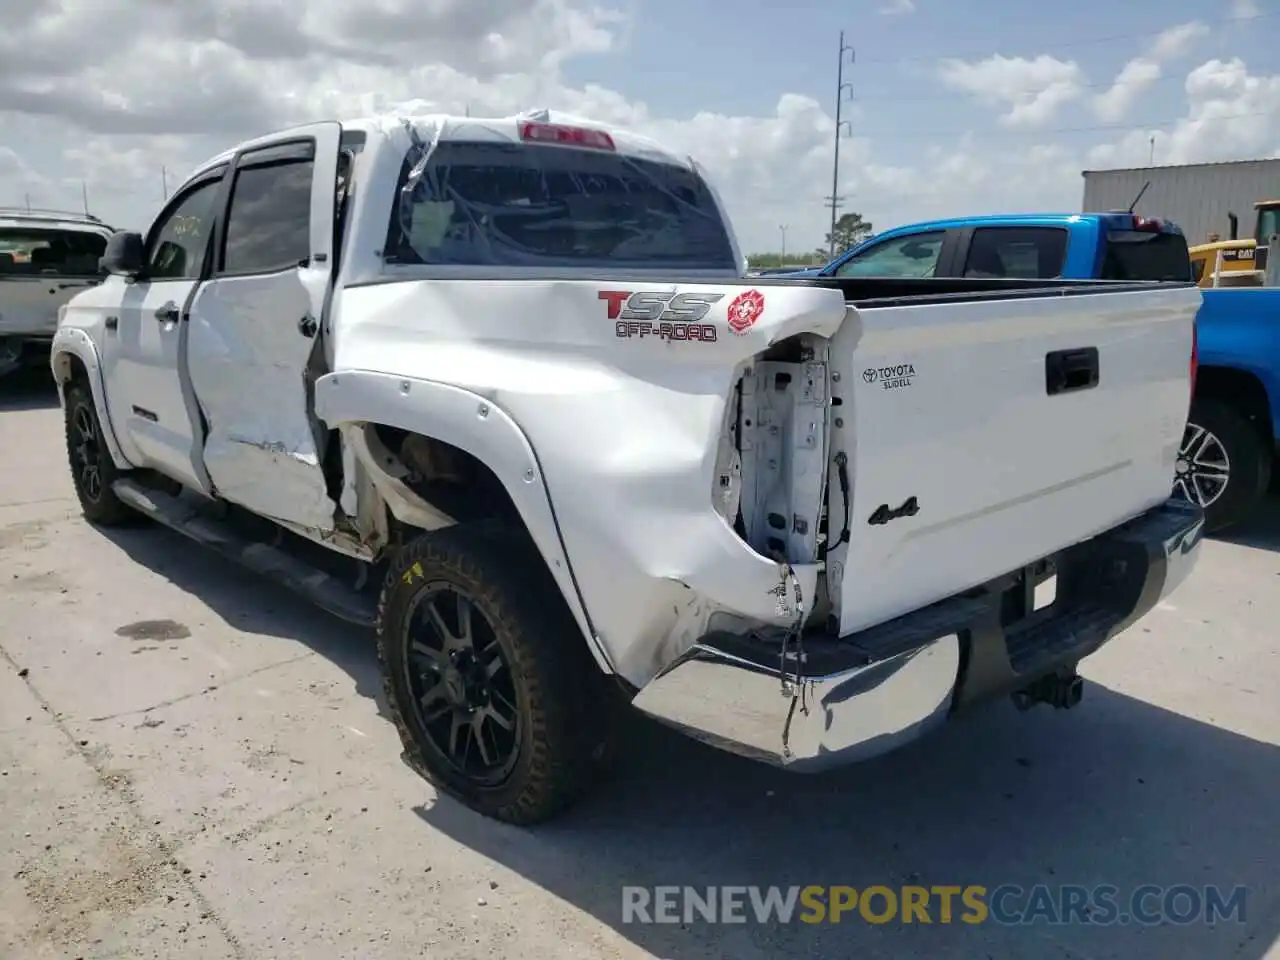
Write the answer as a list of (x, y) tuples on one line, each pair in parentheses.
[(28, 198), (164, 183), (84, 195), (1152, 161), (841, 126), (783, 229)]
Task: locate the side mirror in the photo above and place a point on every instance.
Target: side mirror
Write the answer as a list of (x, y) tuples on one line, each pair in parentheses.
[(123, 256)]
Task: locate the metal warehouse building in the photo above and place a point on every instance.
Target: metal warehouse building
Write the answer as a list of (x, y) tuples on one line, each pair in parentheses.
[(1196, 196)]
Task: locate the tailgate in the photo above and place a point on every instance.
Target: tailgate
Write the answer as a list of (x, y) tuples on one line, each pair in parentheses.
[(29, 305), (1014, 426)]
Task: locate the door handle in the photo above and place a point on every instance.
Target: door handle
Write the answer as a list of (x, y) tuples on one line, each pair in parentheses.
[(168, 313), (1066, 371), (307, 326), (111, 323)]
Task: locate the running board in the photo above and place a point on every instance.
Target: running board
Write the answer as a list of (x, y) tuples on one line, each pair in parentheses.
[(195, 518)]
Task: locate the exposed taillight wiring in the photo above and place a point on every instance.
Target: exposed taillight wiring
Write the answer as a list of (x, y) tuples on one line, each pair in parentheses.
[(842, 474), (1195, 356)]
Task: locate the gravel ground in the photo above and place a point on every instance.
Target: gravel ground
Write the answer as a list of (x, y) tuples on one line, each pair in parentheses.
[(194, 765)]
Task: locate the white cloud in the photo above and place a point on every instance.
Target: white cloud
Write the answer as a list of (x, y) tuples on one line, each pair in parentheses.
[(1032, 90), (896, 8), (1133, 80), (1244, 9), (109, 92), (1139, 74), (1231, 114)]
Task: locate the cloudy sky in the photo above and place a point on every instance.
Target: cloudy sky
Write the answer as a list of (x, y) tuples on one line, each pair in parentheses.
[(956, 107)]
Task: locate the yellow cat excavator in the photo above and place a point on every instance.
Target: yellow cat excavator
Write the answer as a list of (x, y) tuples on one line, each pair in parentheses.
[(1236, 262)]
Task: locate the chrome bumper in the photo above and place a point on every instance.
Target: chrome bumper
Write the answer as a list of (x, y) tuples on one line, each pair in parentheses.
[(870, 692)]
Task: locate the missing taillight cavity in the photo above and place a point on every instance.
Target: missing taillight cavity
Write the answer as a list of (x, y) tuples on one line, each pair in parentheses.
[(570, 136), (782, 441)]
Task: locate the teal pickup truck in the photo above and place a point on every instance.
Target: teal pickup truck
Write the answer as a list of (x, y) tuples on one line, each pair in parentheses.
[(1233, 429)]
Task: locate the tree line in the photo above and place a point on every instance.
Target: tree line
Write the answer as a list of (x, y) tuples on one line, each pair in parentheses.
[(850, 229)]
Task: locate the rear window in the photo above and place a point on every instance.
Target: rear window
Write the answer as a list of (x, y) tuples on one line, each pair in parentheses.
[(1030, 253), (1142, 255), (539, 205), (41, 251)]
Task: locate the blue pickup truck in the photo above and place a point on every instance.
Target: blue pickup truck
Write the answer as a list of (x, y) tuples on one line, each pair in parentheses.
[(1102, 246), (1233, 431)]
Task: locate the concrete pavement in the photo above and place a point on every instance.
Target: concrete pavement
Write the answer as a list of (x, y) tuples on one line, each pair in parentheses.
[(193, 764)]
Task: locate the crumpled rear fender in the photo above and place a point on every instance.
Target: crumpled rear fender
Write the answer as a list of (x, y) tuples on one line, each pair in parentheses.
[(469, 422), (71, 342)]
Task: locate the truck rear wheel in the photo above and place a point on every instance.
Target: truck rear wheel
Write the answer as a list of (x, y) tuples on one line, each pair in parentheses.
[(92, 469), (486, 676), (1224, 464)]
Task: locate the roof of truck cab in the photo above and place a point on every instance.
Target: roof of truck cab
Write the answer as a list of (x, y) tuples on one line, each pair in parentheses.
[(1009, 219), (433, 127), (55, 219)]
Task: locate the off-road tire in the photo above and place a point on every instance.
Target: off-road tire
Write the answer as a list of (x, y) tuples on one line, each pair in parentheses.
[(557, 683), (1250, 462), (104, 508)]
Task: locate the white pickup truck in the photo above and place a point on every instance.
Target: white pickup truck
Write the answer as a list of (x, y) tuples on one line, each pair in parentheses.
[(508, 373), (46, 258)]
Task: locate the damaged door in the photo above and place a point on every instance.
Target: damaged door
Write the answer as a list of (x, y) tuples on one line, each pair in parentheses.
[(256, 328)]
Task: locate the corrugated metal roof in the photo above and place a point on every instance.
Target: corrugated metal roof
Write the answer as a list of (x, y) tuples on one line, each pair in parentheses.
[(1181, 166)]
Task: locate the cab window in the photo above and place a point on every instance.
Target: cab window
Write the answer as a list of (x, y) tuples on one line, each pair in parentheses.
[(178, 239), (1027, 253), (913, 255)]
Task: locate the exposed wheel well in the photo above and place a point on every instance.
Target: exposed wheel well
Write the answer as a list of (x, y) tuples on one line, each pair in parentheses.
[(449, 478), (68, 368), (1239, 389)]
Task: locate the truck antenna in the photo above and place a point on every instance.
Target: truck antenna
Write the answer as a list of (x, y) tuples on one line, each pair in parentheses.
[(1139, 196)]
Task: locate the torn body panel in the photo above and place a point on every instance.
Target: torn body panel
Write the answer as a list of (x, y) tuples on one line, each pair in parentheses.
[(375, 476)]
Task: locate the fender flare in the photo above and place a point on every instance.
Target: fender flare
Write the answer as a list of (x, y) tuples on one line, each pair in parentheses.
[(71, 342), (480, 427)]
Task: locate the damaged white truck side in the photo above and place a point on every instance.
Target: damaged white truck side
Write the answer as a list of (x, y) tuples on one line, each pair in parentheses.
[(508, 376)]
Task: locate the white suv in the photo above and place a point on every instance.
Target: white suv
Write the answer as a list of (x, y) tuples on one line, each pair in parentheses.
[(46, 258)]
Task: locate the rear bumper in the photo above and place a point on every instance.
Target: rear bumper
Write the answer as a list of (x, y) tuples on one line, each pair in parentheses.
[(23, 351), (872, 691)]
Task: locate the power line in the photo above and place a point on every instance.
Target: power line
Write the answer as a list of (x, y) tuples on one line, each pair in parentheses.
[(1044, 131), (956, 94), (1071, 43)]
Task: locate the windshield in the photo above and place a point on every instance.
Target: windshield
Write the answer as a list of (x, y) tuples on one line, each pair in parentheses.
[(1268, 223), (911, 255), (540, 205), (31, 251)]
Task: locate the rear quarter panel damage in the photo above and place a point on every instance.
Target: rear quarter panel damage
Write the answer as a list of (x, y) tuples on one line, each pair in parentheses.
[(619, 422)]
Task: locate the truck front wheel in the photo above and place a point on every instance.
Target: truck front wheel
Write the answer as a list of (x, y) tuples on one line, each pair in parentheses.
[(92, 470), (486, 675), (1224, 464)]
